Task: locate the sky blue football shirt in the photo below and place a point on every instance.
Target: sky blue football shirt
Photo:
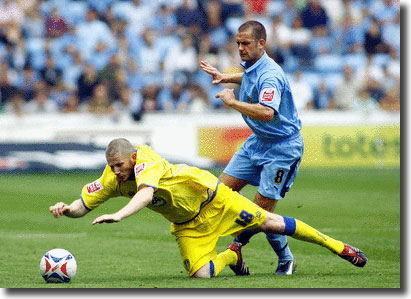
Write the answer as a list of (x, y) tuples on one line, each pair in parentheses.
[(265, 82)]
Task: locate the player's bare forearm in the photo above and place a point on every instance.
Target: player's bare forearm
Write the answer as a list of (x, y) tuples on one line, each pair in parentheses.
[(75, 210), (232, 78), (141, 199), (254, 111)]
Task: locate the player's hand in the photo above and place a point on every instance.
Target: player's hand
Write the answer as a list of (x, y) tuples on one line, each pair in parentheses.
[(227, 96), (209, 69), (59, 209), (106, 219)]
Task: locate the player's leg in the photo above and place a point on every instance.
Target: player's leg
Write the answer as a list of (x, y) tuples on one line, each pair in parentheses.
[(238, 173), (301, 231), (276, 179), (263, 202), (278, 242), (235, 213), (216, 265), (234, 183), (227, 214), (199, 255), (241, 169), (280, 167)]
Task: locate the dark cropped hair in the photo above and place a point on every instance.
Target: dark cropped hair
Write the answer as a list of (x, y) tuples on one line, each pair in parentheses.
[(258, 29)]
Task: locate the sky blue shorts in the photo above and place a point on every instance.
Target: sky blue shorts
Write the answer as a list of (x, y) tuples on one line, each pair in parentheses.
[(271, 165)]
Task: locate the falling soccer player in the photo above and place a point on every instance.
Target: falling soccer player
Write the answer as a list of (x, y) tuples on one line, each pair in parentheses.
[(200, 208)]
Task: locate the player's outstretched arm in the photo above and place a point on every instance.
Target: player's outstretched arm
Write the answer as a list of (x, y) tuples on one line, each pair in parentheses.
[(74, 210), (219, 77), (142, 198)]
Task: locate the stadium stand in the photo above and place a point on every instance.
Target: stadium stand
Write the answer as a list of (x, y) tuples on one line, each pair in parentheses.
[(65, 52)]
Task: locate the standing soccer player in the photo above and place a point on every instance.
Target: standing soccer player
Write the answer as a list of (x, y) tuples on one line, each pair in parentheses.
[(271, 156)]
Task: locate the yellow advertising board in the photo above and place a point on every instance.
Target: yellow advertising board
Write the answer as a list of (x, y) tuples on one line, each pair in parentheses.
[(351, 146), (324, 146)]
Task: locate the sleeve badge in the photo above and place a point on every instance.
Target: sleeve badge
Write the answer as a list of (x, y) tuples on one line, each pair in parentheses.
[(139, 168), (268, 95), (94, 187)]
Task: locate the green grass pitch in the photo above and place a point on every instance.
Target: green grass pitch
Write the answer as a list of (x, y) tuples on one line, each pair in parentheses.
[(360, 207)]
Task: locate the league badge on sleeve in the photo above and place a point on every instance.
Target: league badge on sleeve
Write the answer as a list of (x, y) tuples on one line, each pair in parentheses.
[(139, 168), (94, 187), (267, 95)]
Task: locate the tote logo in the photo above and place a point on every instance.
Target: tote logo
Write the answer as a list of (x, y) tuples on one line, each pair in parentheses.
[(371, 146)]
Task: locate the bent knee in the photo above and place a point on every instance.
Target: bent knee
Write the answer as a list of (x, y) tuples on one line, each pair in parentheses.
[(266, 203), (203, 272), (199, 275), (274, 223), (233, 183)]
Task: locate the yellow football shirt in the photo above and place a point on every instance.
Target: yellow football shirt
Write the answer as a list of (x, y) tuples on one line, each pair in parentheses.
[(180, 190)]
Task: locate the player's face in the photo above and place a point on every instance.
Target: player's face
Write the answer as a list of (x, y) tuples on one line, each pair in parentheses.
[(249, 48), (121, 165)]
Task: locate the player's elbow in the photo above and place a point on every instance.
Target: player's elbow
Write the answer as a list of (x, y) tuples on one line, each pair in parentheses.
[(76, 210), (77, 213), (81, 213), (267, 114)]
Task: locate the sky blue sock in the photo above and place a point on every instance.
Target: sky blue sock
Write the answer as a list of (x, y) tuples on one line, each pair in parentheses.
[(280, 245)]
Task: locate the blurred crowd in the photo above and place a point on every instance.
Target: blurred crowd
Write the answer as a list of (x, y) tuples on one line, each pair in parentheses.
[(137, 56)]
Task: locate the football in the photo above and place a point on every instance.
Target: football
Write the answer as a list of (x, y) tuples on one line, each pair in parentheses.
[(58, 265)]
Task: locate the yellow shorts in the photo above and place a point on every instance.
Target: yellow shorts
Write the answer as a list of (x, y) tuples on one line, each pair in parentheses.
[(229, 213)]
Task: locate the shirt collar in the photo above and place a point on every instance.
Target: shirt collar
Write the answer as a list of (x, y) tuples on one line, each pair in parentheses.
[(256, 64)]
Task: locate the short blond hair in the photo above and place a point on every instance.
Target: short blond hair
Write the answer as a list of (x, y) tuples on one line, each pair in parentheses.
[(119, 145)]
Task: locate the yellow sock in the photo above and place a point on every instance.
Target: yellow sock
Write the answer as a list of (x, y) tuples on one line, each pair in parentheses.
[(306, 233), (223, 259)]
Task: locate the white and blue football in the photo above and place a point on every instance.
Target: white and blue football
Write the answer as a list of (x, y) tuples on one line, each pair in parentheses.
[(58, 265)]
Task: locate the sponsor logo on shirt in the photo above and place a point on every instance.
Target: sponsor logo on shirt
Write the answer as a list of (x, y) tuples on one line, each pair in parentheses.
[(268, 95), (139, 168), (94, 187)]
